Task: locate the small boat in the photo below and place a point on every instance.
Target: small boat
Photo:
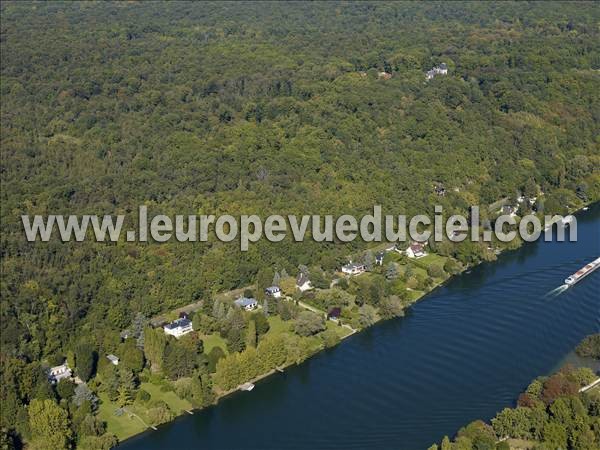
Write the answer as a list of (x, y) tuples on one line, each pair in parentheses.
[(246, 387), (585, 208)]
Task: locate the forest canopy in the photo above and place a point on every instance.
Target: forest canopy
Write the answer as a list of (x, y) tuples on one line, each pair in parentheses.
[(267, 108)]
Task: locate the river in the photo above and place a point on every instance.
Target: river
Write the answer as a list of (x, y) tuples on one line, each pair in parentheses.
[(464, 352)]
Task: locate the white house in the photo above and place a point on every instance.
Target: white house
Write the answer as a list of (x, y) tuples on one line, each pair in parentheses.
[(57, 373), (273, 291), (442, 69), (353, 269), (248, 304), (179, 327), (415, 250), (113, 359), (379, 258), (303, 283)]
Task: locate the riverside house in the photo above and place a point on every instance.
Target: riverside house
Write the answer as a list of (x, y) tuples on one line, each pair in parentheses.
[(334, 313)]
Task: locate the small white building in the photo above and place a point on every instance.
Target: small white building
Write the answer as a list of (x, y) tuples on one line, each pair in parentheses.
[(113, 359), (353, 269), (379, 258), (57, 373), (273, 291), (303, 283), (415, 250), (246, 303), (442, 69), (179, 327)]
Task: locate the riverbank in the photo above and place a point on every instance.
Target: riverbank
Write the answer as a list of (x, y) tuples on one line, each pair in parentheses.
[(490, 331), (534, 420), (415, 298)]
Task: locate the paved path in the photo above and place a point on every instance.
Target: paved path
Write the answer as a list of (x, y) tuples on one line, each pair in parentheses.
[(590, 386)]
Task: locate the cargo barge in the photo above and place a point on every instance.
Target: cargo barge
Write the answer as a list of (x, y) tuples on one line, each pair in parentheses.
[(582, 273)]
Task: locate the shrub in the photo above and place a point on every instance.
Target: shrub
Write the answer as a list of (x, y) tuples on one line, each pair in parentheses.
[(142, 396)]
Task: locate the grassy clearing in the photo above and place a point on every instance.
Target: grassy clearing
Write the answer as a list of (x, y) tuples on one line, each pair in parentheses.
[(431, 259), (121, 426), (415, 295), (342, 332), (277, 325), (176, 404), (126, 425), (213, 340)]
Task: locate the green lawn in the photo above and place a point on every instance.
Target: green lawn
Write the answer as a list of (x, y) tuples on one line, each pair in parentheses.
[(125, 426), (176, 404), (432, 258), (213, 340), (415, 295), (277, 325), (342, 332), (122, 427)]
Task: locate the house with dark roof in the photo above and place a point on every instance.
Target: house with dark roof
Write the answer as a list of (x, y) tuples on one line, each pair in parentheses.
[(273, 291), (334, 313), (379, 258), (303, 283), (415, 250), (247, 303), (439, 189), (179, 327)]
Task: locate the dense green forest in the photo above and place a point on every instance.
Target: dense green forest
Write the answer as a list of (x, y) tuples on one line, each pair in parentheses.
[(258, 108)]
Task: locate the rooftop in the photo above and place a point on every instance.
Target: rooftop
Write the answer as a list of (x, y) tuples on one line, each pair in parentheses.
[(353, 266), (179, 323), (335, 312), (302, 278), (245, 301)]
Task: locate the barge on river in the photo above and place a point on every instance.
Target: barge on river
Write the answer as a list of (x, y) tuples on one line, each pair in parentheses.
[(582, 273)]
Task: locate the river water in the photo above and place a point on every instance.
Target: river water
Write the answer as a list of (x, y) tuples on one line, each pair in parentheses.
[(463, 353)]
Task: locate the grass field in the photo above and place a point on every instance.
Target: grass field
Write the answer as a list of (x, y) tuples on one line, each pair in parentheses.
[(342, 332), (430, 259), (176, 404), (213, 340), (121, 426), (277, 325), (126, 425)]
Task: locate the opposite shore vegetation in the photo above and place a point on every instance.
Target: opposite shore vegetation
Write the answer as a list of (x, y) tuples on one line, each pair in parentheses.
[(159, 377)]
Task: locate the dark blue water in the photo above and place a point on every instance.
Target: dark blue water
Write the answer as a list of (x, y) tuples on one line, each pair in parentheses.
[(463, 353)]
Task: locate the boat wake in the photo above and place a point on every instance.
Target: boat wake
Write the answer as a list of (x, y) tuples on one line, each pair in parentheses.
[(556, 292)]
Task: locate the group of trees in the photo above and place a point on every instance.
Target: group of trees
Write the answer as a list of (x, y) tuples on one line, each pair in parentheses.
[(589, 347), (258, 109), (552, 413), (272, 352)]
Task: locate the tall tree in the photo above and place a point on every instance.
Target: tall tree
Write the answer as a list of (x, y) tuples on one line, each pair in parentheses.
[(85, 360), (49, 425)]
